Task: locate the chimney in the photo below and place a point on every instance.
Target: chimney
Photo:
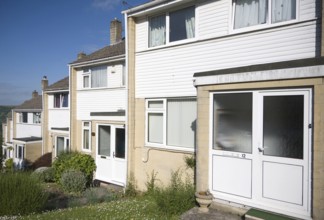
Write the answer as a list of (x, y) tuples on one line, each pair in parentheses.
[(115, 31), (81, 55), (34, 94), (44, 82)]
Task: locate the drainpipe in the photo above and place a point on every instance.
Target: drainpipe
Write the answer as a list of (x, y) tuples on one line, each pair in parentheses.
[(126, 84)]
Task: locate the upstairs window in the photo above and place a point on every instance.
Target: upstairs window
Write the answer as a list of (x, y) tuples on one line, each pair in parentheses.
[(36, 117), (96, 77), (179, 25), (256, 12), (23, 117), (61, 100)]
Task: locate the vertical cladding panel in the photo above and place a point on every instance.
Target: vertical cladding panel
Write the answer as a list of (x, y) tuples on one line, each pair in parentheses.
[(27, 130), (101, 100), (141, 37), (169, 71), (213, 18)]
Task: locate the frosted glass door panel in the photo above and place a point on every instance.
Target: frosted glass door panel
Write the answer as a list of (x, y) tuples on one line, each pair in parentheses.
[(283, 126), (233, 122), (104, 140)]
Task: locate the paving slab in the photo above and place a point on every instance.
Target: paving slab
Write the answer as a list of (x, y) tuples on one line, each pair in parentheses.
[(194, 214)]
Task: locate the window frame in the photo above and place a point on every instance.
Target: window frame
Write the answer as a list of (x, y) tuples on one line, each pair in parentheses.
[(38, 117), (88, 73), (164, 113), (61, 96), (84, 128), (167, 27), (66, 144), (23, 118), (19, 148), (268, 22)]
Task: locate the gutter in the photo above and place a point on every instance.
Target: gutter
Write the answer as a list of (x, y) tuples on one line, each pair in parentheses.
[(99, 61)]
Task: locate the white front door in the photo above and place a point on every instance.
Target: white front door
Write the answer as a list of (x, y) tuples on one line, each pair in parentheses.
[(261, 149), (110, 158)]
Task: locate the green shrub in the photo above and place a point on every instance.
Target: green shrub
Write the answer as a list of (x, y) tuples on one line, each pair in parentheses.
[(76, 161), (20, 194), (98, 195), (9, 164), (73, 181), (176, 198), (44, 174)]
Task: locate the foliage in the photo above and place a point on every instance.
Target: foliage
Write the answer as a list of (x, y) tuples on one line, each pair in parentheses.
[(44, 174), (76, 161), (20, 194), (73, 181), (151, 183), (130, 190), (190, 161), (9, 165), (126, 208), (176, 198)]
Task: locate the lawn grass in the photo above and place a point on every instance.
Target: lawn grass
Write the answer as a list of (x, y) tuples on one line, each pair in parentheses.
[(127, 208)]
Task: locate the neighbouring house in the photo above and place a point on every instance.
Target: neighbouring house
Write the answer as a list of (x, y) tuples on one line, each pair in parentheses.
[(56, 117), (7, 135), (241, 84), (98, 104), (27, 131)]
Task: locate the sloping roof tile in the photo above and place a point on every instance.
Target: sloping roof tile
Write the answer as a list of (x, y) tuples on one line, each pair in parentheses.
[(106, 52), (34, 103), (62, 84)]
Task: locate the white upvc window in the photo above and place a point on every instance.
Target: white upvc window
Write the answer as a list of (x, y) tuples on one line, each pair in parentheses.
[(248, 13), (95, 77), (20, 151), (61, 100), (171, 123), (62, 144), (172, 26), (86, 136), (36, 117), (23, 117)]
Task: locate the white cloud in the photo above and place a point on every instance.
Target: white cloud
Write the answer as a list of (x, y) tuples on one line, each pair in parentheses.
[(106, 4)]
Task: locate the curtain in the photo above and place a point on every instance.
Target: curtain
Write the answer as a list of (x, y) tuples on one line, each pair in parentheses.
[(65, 100), (155, 128), (249, 13), (157, 31), (283, 10), (190, 22), (99, 76), (181, 122)]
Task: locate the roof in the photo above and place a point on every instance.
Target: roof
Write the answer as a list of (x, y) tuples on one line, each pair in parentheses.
[(28, 139), (62, 84), (106, 52), (34, 103)]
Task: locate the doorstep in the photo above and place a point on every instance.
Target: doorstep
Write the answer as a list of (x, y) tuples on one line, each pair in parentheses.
[(195, 214)]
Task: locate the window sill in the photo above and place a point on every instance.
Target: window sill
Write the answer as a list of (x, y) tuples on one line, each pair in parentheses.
[(169, 148)]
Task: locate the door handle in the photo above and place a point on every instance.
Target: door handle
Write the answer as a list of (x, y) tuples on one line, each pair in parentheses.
[(261, 149)]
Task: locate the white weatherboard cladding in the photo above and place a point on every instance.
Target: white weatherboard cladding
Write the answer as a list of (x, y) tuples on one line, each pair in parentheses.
[(169, 72), (115, 76), (58, 118), (141, 34), (28, 130), (100, 100)]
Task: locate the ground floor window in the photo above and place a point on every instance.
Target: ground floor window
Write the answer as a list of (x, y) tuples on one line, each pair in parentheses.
[(62, 144), (20, 152), (171, 122), (86, 136)]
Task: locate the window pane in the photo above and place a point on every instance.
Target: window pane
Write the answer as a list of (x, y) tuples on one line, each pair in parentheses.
[(25, 117), (283, 134), (85, 81), (86, 141), (181, 122), (99, 76), (283, 10), (86, 124), (104, 140), (182, 24), (155, 128), (157, 31), (36, 118), (155, 104), (233, 122), (65, 100), (59, 145), (250, 13), (120, 143)]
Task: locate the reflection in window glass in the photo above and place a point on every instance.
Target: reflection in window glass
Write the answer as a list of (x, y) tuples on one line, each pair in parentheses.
[(120, 143), (182, 24), (283, 126), (233, 122)]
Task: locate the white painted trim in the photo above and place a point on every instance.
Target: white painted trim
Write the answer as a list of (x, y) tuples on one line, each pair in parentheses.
[(278, 74)]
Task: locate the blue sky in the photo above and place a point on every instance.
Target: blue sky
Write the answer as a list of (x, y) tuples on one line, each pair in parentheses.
[(40, 37)]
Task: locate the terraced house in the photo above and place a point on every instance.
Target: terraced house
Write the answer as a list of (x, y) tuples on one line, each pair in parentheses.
[(7, 135), (238, 83), (98, 105)]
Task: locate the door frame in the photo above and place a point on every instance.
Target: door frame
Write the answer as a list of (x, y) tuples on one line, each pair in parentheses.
[(253, 202), (112, 148)]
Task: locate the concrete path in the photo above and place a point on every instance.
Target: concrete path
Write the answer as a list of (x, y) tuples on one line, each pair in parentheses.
[(194, 214)]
